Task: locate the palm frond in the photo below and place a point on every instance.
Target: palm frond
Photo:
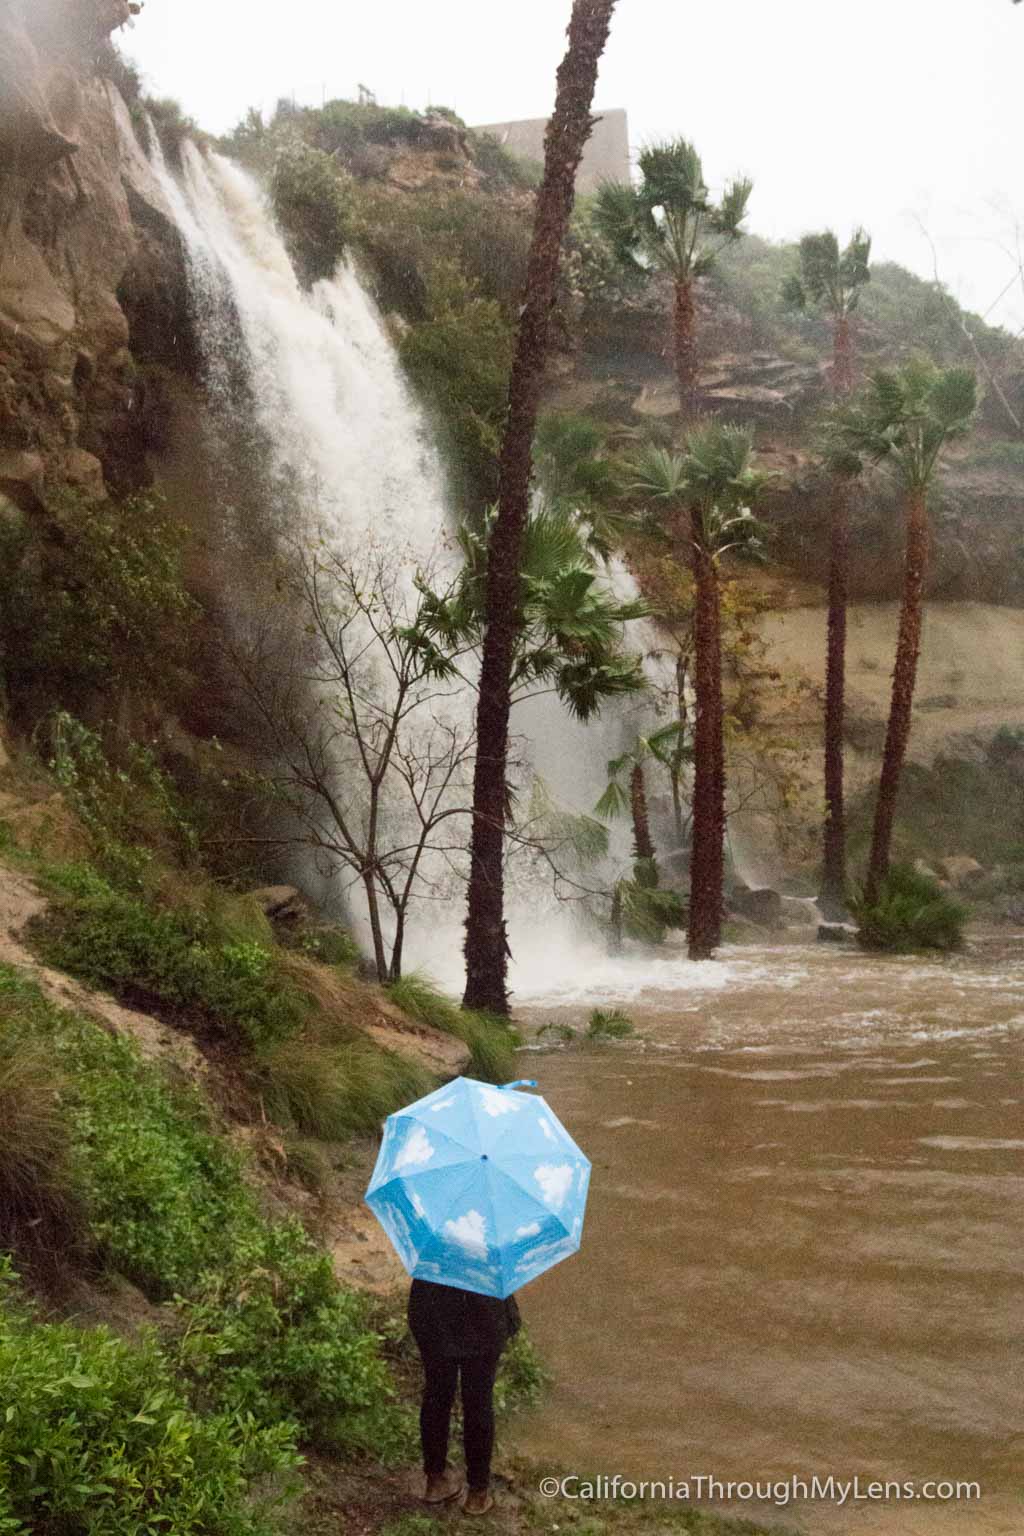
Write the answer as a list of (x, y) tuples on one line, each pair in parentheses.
[(728, 217), (613, 803), (618, 218), (673, 177)]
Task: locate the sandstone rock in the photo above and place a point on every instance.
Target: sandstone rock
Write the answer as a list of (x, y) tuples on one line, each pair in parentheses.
[(962, 871), (762, 906), (281, 903), (921, 868), (832, 909), (836, 933), (798, 912), (84, 472), (21, 477)]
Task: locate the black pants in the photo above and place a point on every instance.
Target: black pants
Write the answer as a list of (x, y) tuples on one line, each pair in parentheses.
[(441, 1375)]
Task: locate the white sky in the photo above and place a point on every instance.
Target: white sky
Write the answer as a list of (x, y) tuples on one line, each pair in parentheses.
[(843, 111)]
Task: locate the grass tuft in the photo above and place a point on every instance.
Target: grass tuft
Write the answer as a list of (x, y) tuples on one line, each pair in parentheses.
[(609, 1024), (41, 1215), (331, 1091), (492, 1042)]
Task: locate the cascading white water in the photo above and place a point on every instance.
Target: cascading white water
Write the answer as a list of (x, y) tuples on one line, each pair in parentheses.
[(325, 381), (349, 440)]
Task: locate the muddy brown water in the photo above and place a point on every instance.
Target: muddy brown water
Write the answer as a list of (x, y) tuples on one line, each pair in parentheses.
[(805, 1233)]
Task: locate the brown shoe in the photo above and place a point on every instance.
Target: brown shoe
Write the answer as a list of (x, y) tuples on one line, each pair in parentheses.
[(442, 1489), (478, 1501)]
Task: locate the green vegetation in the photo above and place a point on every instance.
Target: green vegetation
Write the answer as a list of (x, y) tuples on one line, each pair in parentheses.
[(459, 356), (167, 958), (313, 206), (40, 1213), (331, 1091), (170, 123), (92, 594), (490, 1039), (270, 1335), (503, 169), (911, 912), (163, 1196), (167, 1203), (97, 1435), (957, 805), (609, 1024)]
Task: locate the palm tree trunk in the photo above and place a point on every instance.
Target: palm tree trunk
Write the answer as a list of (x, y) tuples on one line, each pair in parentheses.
[(833, 881), (679, 751), (685, 333), (486, 944), (643, 843), (908, 647), (707, 854), (615, 921)]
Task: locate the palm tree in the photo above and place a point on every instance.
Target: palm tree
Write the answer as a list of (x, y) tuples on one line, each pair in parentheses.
[(570, 632), (904, 421), (713, 486), (575, 472), (486, 944), (831, 282), (617, 800), (669, 224)]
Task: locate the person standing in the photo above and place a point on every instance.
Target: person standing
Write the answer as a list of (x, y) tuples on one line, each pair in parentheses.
[(460, 1336)]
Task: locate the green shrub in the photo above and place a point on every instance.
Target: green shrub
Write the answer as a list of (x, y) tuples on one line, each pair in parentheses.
[(92, 595), (490, 1039), (609, 1024), (130, 810), (271, 1334), (164, 1198), (96, 1437), (170, 123), (121, 942), (501, 168), (459, 359), (331, 945), (313, 205), (912, 913), (41, 1217), (522, 1378), (345, 126), (332, 1091)]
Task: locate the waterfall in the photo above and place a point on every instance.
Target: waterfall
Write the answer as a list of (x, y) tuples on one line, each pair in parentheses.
[(326, 385), (343, 435)]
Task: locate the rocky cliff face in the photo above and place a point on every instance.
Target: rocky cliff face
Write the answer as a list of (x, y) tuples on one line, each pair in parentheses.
[(91, 270), (623, 372)]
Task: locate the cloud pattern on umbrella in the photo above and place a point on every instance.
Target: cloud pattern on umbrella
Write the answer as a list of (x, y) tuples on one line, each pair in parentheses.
[(479, 1187)]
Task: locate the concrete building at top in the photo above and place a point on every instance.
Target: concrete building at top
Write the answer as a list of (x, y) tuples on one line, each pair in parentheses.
[(605, 158)]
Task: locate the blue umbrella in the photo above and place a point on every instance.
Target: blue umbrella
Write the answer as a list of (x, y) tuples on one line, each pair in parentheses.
[(479, 1187)]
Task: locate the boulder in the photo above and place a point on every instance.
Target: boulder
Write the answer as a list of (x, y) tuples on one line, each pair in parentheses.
[(962, 871), (281, 903), (762, 906), (836, 933), (832, 909), (799, 912), (921, 868), (21, 477)]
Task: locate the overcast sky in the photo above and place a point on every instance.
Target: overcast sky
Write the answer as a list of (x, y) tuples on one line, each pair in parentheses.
[(884, 112)]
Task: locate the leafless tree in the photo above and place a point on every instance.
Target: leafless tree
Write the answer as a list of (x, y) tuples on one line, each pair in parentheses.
[(366, 735)]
